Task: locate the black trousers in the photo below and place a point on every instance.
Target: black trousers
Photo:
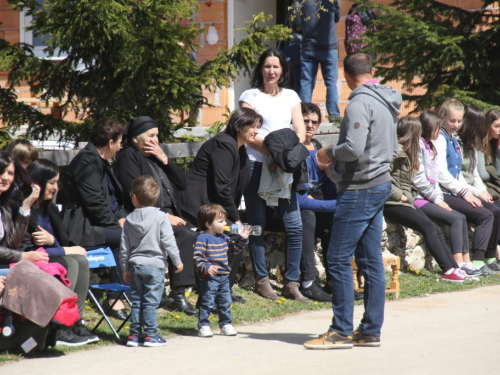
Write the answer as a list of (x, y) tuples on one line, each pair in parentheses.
[(415, 219), (185, 238), (314, 225), (487, 222)]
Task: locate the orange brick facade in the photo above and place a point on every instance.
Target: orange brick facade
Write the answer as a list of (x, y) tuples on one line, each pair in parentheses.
[(217, 15)]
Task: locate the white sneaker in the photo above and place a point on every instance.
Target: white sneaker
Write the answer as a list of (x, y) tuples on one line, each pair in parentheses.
[(228, 330), (205, 331)]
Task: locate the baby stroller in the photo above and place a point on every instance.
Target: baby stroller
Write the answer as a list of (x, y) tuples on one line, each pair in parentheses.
[(34, 307)]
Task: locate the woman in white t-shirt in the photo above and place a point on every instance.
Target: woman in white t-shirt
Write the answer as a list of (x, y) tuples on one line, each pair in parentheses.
[(280, 108)]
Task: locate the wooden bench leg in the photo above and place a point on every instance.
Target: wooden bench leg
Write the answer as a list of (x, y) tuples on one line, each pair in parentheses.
[(395, 277), (355, 274)]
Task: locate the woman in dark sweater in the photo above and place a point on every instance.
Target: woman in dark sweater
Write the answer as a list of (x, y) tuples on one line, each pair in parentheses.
[(220, 174), (143, 155)]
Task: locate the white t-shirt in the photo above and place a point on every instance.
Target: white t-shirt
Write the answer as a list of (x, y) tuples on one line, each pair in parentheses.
[(275, 110)]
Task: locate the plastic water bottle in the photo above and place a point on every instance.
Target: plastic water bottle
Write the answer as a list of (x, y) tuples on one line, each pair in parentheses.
[(236, 229)]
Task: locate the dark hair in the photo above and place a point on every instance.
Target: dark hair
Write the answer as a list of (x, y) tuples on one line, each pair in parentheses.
[(430, 121), (208, 213), (43, 170), (491, 116), (258, 79), (22, 180), (105, 130), (23, 151), (146, 190), (240, 118), (310, 108), (358, 63), (409, 131), (472, 133)]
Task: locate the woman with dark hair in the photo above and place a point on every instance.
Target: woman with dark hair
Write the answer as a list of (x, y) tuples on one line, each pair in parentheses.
[(46, 229), (220, 174), (92, 198), (143, 155), (220, 171), (13, 223), (278, 107)]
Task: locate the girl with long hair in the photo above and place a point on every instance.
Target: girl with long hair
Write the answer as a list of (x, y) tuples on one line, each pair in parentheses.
[(47, 230), (400, 207), (430, 197), (458, 177)]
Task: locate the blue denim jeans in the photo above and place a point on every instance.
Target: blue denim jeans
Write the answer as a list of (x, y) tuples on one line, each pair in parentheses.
[(329, 68), (147, 288), (357, 231), (4, 271), (289, 211), (211, 287)]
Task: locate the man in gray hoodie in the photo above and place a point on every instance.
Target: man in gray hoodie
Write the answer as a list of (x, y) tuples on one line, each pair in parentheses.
[(147, 241), (360, 164)]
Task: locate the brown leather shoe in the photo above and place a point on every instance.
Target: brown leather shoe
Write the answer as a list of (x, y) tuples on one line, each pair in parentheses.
[(263, 288), (291, 291)]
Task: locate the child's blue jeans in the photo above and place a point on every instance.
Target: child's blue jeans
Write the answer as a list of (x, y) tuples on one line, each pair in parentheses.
[(147, 288), (211, 287)]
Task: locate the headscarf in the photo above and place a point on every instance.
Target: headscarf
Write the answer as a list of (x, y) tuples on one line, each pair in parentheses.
[(137, 126)]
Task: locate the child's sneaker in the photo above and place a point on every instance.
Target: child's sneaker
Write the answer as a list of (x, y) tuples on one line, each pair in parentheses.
[(457, 276), (470, 269), (228, 330), (152, 341), (133, 341), (205, 331)]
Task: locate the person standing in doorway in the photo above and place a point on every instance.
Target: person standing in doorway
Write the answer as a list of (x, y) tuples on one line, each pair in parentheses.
[(319, 47)]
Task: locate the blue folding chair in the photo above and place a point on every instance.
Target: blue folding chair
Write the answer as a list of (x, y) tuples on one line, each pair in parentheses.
[(103, 258)]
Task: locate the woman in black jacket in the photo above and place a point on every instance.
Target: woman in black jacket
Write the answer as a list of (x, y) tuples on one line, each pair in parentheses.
[(143, 155), (220, 174), (13, 223), (92, 197)]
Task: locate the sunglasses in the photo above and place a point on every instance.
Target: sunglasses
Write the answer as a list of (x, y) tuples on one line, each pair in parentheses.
[(307, 121)]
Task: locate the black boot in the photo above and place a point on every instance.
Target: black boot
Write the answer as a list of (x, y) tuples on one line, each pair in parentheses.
[(177, 302)]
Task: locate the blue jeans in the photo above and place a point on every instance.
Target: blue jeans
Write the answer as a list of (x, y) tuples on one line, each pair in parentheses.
[(147, 288), (256, 214), (4, 271), (329, 68), (211, 287), (357, 231)]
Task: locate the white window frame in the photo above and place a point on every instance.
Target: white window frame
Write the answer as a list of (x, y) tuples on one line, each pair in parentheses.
[(26, 36)]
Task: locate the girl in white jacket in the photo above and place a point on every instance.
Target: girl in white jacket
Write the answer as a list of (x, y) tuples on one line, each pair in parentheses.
[(470, 199), (430, 198)]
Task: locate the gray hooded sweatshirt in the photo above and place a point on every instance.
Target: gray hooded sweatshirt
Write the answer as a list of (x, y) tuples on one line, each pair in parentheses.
[(147, 239), (368, 139)]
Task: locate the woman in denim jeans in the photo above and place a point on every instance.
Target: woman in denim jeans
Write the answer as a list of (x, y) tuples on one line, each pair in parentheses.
[(279, 107)]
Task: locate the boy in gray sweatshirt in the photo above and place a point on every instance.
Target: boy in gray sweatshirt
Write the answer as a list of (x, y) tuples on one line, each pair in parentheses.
[(147, 240)]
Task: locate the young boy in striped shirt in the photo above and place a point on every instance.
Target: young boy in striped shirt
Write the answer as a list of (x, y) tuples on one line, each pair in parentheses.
[(210, 257)]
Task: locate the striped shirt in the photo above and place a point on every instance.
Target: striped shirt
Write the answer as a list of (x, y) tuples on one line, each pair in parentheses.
[(213, 250)]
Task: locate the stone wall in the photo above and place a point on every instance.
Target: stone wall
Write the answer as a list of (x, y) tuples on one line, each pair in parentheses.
[(403, 242)]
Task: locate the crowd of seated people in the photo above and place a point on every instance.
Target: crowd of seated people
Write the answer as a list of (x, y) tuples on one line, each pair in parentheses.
[(446, 172)]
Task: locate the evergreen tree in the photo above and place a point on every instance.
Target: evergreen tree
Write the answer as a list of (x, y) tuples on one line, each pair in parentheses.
[(446, 50), (123, 58)]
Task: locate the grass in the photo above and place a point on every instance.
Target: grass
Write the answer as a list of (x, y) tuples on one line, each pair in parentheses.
[(258, 310)]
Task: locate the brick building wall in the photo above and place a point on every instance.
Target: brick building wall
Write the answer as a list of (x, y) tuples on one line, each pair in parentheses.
[(217, 15)]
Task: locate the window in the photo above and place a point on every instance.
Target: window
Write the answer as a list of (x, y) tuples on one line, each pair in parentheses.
[(30, 37)]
